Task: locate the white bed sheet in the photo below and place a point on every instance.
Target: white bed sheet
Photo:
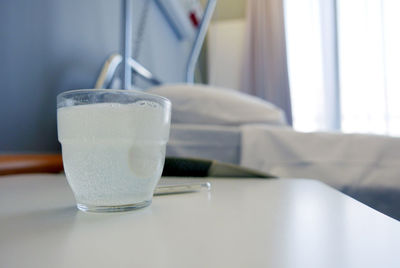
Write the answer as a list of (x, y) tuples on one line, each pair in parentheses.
[(340, 160), (205, 141)]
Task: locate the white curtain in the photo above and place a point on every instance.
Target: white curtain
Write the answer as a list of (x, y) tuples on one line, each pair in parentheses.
[(369, 46), (344, 62), (264, 62), (312, 60)]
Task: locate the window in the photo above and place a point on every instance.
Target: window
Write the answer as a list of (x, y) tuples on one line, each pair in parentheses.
[(369, 57), (359, 50), (304, 53)]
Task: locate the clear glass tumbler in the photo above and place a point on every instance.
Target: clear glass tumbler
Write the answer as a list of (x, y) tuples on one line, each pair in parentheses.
[(113, 146)]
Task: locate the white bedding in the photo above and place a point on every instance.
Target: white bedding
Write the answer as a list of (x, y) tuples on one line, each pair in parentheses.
[(205, 141), (230, 126), (340, 160)]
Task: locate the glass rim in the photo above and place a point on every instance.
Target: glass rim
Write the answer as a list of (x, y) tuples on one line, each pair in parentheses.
[(103, 90)]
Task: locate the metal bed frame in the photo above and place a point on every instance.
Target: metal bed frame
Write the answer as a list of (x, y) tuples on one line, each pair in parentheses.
[(130, 65)]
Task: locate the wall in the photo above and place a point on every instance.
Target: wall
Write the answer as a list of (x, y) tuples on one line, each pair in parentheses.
[(49, 46), (228, 9), (225, 47), (225, 10)]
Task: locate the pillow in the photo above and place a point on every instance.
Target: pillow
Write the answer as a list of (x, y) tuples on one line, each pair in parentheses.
[(201, 104)]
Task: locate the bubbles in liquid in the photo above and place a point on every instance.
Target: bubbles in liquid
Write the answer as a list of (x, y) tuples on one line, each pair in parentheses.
[(113, 153), (148, 103)]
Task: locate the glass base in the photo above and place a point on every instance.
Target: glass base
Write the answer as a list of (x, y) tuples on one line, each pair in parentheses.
[(119, 208)]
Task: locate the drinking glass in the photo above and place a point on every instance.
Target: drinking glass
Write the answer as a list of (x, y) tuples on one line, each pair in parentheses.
[(113, 146)]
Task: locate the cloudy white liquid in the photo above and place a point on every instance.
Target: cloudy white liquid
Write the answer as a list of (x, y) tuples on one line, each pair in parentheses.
[(113, 153)]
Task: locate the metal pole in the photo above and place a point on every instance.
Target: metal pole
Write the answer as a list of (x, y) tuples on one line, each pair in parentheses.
[(201, 34), (337, 122), (126, 43)]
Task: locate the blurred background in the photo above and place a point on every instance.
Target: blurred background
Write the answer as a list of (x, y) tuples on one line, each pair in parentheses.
[(337, 59)]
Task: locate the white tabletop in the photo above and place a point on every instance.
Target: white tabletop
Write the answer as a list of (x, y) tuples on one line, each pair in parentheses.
[(239, 223)]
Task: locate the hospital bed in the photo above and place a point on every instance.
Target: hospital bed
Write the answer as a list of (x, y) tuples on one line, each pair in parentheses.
[(229, 126)]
